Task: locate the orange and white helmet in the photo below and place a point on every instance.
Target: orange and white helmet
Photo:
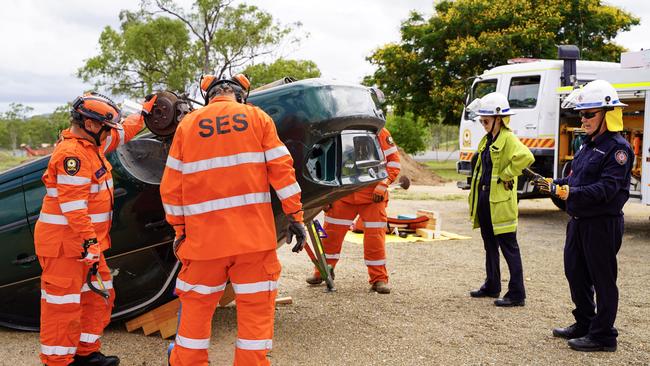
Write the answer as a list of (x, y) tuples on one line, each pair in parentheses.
[(239, 81), (98, 108)]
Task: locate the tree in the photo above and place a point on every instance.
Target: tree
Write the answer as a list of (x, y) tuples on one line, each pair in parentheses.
[(409, 133), (262, 74), (164, 46), (428, 71), (13, 125)]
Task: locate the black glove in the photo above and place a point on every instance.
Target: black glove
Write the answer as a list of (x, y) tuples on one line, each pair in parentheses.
[(177, 244), (298, 229), (507, 184)]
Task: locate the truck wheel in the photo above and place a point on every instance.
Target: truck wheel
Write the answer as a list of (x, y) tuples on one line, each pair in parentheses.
[(559, 203)]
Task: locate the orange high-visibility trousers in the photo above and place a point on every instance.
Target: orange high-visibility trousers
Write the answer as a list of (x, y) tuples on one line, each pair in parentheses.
[(337, 222), (200, 285), (73, 318)]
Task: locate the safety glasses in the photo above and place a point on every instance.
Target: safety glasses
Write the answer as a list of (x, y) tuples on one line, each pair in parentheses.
[(587, 115)]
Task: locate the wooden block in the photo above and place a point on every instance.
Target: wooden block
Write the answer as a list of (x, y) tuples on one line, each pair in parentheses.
[(168, 328), (162, 319), (426, 233), (434, 219), (287, 300)]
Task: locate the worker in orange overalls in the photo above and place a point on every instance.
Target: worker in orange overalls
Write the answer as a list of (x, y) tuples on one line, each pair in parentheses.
[(369, 203), (72, 232), (216, 195)]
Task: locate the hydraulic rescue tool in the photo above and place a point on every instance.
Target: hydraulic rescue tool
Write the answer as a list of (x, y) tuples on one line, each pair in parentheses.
[(94, 271), (316, 232)]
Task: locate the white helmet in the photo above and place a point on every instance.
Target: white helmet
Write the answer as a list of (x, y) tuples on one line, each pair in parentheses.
[(596, 94), (493, 104)]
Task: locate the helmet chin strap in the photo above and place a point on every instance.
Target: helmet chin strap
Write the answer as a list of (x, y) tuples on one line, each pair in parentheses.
[(600, 124), (494, 123), (95, 135)]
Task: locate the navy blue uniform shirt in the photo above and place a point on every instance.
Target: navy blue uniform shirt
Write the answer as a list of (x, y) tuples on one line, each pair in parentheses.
[(486, 163), (599, 182)]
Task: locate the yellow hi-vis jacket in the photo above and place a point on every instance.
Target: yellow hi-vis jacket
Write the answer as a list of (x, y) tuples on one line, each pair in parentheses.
[(509, 158)]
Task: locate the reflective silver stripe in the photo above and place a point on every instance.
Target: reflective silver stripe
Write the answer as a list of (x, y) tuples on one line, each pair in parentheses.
[(390, 151), (202, 289), (336, 221), (333, 256), (173, 210), (62, 220), (380, 187), (288, 191), (58, 350), (107, 285), (394, 164), (120, 132), (374, 224), (89, 338), (69, 179), (251, 288), (61, 299), (192, 343), (380, 262), (225, 203), (52, 192), (254, 344), (73, 205), (107, 144), (222, 162), (94, 188), (174, 163), (276, 152)]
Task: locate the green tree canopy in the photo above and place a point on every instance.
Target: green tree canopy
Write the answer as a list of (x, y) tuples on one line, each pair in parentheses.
[(16, 128), (164, 46), (427, 72), (263, 73)]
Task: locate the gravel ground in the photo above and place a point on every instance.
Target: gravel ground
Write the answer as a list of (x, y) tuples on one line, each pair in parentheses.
[(429, 319)]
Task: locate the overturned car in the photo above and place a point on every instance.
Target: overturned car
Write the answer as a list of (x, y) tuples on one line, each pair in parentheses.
[(329, 127)]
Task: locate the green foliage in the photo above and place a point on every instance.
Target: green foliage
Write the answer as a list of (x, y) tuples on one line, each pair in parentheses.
[(16, 128), (146, 55), (427, 72), (409, 133), (262, 74), (164, 46)]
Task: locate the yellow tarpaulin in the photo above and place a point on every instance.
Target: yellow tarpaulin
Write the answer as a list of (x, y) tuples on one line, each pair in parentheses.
[(444, 235)]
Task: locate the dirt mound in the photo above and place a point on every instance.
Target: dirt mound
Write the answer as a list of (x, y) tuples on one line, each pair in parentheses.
[(418, 173)]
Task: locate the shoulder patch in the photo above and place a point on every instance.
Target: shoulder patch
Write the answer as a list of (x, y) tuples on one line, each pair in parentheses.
[(390, 141), (71, 165), (621, 157)]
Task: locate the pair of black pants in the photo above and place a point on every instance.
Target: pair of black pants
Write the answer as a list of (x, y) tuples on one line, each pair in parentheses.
[(590, 265), (510, 249)]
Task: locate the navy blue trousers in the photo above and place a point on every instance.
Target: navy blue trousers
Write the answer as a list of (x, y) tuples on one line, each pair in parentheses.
[(590, 266), (510, 249)]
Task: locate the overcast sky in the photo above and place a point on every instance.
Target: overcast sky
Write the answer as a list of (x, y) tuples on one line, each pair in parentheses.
[(43, 43)]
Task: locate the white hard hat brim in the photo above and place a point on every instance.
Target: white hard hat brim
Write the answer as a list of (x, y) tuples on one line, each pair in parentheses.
[(489, 113), (580, 107)]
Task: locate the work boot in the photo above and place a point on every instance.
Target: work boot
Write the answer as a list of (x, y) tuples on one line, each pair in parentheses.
[(570, 332), (380, 287), (508, 302), (483, 293), (315, 279), (95, 359), (586, 344)]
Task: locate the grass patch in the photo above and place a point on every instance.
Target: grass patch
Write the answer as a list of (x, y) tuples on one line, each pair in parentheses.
[(446, 169), (8, 161), (400, 194)]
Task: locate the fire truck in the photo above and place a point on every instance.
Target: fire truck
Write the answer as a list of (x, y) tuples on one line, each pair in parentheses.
[(536, 88)]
